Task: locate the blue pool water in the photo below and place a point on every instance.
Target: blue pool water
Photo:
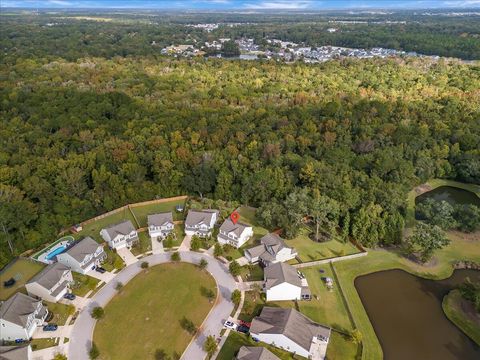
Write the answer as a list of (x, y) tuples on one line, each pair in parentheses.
[(55, 252)]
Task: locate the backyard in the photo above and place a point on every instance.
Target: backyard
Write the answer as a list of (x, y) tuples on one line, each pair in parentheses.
[(141, 212), (83, 284), (140, 308), (60, 312), (21, 270), (144, 244)]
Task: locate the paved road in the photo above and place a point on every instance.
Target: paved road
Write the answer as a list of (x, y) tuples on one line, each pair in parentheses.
[(82, 332)]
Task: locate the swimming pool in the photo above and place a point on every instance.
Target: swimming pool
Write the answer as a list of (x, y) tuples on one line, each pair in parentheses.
[(55, 252)]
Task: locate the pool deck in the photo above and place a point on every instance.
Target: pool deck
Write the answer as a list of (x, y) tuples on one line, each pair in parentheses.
[(42, 254)]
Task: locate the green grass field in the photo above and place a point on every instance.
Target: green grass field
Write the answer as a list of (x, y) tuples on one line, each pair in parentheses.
[(452, 306), (150, 308), (39, 344), (141, 212), (144, 244), (309, 250), (60, 312), (83, 284), (21, 270)]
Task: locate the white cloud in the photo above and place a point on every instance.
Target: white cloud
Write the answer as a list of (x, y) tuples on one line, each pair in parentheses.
[(462, 3), (59, 2), (279, 4)]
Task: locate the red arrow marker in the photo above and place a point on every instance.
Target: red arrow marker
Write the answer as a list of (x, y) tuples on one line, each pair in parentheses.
[(235, 216)]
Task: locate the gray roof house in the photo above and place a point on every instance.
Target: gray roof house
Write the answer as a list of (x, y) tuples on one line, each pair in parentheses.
[(51, 283), (292, 331), (23, 352), (120, 235), (19, 317), (282, 282), (160, 225), (83, 255), (271, 250), (235, 234), (255, 353), (200, 222)]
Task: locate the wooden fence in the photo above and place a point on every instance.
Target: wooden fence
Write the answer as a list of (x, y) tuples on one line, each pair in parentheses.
[(329, 260)]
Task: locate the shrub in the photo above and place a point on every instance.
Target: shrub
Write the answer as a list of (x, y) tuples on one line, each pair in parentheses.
[(236, 297), (144, 265), (203, 264), (160, 354), (195, 244), (93, 353), (210, 346), (97, 313), (234, 268), (118, 286), (188, 325), (217, 250), (60, 356), (175, 256), (208, 293)]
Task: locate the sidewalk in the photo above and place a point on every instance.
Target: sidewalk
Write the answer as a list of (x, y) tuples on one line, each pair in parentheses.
[(185, 245), (127, 256)]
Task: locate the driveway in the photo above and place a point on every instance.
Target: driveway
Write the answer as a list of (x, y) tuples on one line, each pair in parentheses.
[(185, 245), (127, 256), (157, 247), (82, 332), (62, 331), (105, 277), (242, 261)]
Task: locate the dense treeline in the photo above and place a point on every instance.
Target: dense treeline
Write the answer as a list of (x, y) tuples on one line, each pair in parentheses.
[(80, 138)]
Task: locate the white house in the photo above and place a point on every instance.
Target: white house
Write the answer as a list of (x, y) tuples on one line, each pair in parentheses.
[(200, 222), (282, 282), (120, 235), (234, 234), (51, 283), (292, 331), (255, 353), (83, 256), (19, 317), (160, 225), (22, 352), (271, 251)]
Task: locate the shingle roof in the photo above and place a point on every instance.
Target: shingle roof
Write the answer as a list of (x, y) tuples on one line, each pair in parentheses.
[(83, 248), (160, 219), (255, 353), (289, 322), (279, 273), (271, 245), (228, 227), (14, 352), (195, 217), (50, 275), (17, 308), (123, 228)]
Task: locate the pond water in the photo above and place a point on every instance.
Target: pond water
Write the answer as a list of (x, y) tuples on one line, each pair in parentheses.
[(406, 313), (450, 194)]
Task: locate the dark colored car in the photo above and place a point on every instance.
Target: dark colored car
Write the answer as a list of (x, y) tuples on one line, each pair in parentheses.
[(69, 296), (50, 327), (100, 269), (10, 282), (243, 329)]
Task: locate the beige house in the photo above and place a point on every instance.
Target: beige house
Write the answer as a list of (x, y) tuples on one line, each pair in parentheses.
[(51, 283)]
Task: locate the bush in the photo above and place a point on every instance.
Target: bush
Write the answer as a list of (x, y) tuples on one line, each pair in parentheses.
[(234, 268), (188, 325), (203, 264), (195, 243), (217, 250), (208, 293), (210, 345), (175, 256), (160, 354), (236, 297), (168, 242), (118, 286), (59, 356), (144, 265), (93, 353), (97, 313)]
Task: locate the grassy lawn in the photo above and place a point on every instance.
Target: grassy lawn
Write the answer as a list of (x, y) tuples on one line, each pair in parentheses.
[(144, 244), (39, 344), (141, 212), (252, 272), (83, 284), (60, 312), (247, 216), (309, 250), (93, 229), (236, 340), (452, 306), (113, 261), (151, 306), (21, 270)]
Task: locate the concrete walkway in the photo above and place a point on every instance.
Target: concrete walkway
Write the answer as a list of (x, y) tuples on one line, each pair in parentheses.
[(185, 245), (242, 261), (157, 247), (127, 256), (82, 332), (105, 277)]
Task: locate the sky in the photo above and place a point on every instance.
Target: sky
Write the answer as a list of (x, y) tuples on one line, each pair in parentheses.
[(244, 4)]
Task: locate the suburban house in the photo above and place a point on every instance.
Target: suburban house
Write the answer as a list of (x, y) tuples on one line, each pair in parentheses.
[(120, 235), (283, 282), (271, 250), (235, 234), (160, 225), (19, 317), (23, 352), (83, 256), (200, 222), (51, 283), (292, 331), (255, 353)]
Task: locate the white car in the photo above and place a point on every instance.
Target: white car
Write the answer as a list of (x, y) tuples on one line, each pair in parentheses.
[(230, 325)]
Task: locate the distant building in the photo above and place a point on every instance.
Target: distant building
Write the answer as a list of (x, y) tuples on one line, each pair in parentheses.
[(255, 353), (19, 317), (51, 283), (234, 234), (120, 235), (83, 256), (271, 251), (283, 282), (160, 225), (292, 331), (200, 222)]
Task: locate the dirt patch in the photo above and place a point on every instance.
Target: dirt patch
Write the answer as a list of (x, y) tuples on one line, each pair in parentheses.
[(415, 258), (421, 189), (475, 236), (469, 310)]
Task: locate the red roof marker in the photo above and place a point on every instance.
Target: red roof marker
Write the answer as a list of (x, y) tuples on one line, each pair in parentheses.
[(235, 216)]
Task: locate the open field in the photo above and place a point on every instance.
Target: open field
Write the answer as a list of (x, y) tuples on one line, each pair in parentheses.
[(309, 250), (151, 306), (468, 323), (141, 212), (21, 270)]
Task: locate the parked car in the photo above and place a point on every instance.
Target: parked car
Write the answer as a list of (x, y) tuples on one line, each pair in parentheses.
[(10, 282), (50, 327), (230, 325), (244, 323), (100, 269), (69, 296), (243, 329), (20, 341)]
